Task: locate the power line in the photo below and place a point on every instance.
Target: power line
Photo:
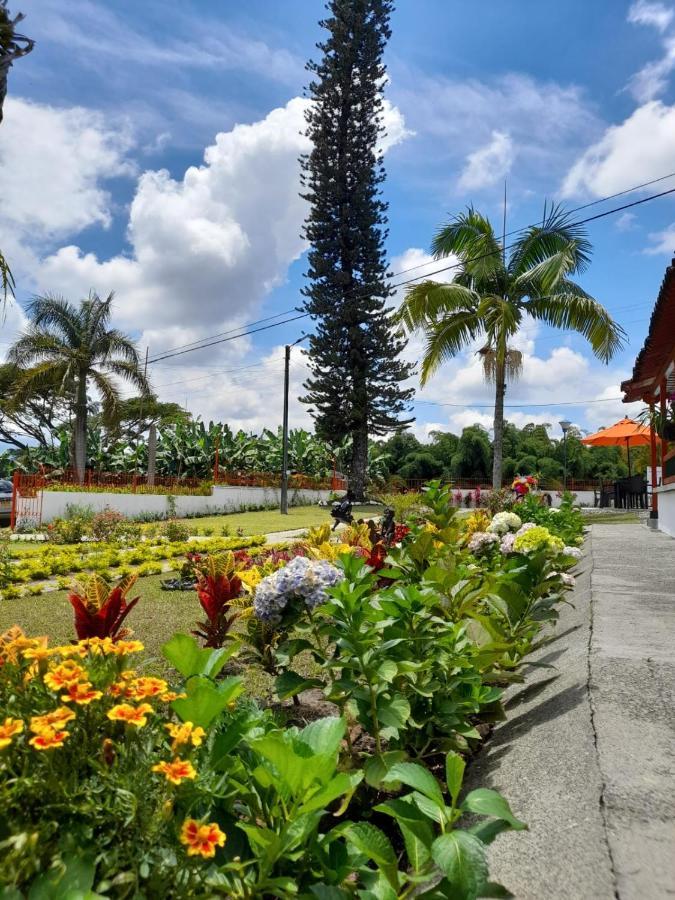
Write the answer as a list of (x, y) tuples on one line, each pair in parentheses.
[(575, 209), (226, 339), (516, 405), (594, 218), (221, 333)]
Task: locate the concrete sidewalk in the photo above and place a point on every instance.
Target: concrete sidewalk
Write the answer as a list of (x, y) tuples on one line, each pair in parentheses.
[(587, 755)]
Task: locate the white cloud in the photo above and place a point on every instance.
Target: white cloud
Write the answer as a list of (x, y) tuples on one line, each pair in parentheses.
[(547, 123), (489, 164), (657, 15), (662, 242), (102, 38), (207, 248), (52, 163), (641, 148), (625, 222), (652, 79)]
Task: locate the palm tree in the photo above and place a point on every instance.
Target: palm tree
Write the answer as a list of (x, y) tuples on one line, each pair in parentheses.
[(66, 347), (491, 294)]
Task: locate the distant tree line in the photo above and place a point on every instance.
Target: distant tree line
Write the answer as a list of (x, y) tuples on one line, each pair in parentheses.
[(527, 451)]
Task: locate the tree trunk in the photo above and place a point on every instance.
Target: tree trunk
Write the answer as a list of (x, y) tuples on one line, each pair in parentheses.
[(358, 469), (498, 427), (152, 453), (80, 427)]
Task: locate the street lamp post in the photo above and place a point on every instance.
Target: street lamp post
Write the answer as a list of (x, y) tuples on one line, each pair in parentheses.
[(565, 425)]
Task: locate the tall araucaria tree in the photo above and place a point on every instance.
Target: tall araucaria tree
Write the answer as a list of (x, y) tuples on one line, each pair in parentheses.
[(64, 348), (355, 387)]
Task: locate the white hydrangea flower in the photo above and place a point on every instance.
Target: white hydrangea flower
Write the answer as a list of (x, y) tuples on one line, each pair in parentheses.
[(481, 540), (526, 527), (506, 545), (574, 552), (503, 522)]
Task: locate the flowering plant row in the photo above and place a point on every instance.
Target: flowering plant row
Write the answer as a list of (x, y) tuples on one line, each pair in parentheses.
[(45, 562)]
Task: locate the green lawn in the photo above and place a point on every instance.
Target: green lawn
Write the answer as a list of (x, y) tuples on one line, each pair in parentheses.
[(620, 517), (271, 520)]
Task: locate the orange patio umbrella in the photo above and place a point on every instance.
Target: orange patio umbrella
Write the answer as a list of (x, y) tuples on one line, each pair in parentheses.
[(625, 433)]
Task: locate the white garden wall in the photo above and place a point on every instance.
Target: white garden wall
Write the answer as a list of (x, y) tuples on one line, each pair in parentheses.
[(666, 520), (222, 499)]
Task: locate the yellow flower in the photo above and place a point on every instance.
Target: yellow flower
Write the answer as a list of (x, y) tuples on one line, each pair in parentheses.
[(170, 696), (176, 771), (48, 739), (132, 715), (81, 693), (201, 840), (96, 645), (185, 733), (68, 650), (8, 729), (37, 653), (53, 721), (63, 675), (124, 647), (146, 687)]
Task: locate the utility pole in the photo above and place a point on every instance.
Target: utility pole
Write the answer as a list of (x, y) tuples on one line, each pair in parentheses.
[(565, 426), (284, 453)]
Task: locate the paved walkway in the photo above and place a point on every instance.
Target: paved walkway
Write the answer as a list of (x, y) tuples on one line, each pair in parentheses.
[(587, 755)]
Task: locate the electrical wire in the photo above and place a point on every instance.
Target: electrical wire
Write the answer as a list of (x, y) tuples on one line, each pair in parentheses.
[(594, 218), (516, 405)]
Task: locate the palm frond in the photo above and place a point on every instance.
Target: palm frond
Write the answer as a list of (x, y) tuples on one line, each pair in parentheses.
[(471, 238), (446, 338), (110, 397), (45, 376), (427, 301), (7, 283), (115, 343), (53, 312), (572, 309), (556, 235), (35, 345), (130, 372)]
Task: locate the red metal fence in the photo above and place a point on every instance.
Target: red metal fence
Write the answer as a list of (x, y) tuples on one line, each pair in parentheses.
[(26, 499)]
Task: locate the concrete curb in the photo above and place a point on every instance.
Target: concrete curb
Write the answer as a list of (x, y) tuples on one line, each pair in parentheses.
[(544, 760)]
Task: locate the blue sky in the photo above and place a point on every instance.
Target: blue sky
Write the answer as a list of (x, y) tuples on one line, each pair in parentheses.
[(151, 149)]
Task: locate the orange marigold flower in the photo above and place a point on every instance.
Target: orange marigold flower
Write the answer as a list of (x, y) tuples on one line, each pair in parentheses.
[(48, 739), (132, 715), (201, 840), (176, 771), (170, 696), (147, 687), (185, 733), (124, 647), (8, 729), (81, 693), (63, 675), (52, 721)]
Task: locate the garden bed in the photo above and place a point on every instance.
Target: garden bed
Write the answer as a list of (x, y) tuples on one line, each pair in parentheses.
[(410, 646)]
